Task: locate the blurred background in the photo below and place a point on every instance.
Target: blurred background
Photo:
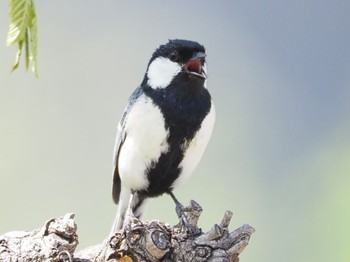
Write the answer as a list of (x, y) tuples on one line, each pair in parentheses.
[(279, 157)]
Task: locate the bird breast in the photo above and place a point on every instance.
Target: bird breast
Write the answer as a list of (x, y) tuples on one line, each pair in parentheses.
[(195, 148), (145, 141)]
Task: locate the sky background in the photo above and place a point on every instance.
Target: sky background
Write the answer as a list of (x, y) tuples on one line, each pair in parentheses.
[(279, 157)]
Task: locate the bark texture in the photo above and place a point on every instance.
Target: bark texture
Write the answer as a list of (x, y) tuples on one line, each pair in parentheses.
[(139, 241)]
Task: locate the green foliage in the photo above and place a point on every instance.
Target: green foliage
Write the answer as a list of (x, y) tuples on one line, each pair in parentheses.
[(24, 32)]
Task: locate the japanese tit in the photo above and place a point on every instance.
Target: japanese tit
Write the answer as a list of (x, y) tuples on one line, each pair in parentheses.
[(164, 129)]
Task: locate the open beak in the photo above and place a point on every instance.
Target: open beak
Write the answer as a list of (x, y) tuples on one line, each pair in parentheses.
[(194, 67)]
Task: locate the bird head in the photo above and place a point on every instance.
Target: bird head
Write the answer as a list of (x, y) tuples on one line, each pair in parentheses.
[(177, 59)]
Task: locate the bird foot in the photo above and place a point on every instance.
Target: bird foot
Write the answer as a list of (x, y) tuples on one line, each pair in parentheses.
[(184, 223), (188, 216)]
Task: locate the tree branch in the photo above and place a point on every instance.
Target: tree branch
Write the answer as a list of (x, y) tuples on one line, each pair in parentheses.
[(151, 241)]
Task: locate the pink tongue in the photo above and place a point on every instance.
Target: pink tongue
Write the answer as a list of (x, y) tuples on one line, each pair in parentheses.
[(194, 66)]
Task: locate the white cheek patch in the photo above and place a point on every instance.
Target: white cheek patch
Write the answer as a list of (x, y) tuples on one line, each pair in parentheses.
[(161, 72)]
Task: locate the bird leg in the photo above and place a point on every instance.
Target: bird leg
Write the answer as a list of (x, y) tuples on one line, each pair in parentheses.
[(180, 211), (129, 215)]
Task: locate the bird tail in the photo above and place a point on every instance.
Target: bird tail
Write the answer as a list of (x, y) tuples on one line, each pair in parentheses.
[(130, 205)]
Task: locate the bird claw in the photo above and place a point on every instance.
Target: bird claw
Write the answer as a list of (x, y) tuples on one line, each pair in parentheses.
[(193, 230), (189, 221)]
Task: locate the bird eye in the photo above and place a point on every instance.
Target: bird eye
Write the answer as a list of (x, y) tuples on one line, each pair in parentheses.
[(174, 56)]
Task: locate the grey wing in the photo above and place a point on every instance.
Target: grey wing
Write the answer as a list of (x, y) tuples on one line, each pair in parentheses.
[(116, 187), (116, 178)]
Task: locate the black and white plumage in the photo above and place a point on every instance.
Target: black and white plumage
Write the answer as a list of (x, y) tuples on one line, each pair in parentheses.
[(165, 128)]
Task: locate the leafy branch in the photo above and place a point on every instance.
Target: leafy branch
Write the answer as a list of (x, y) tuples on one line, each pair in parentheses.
[(24, 32)]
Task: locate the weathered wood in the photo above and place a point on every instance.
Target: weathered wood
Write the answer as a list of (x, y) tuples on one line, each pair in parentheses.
[(151, 241), (55, 241)]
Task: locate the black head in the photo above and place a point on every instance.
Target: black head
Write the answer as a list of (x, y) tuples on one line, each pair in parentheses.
[(176, 58)]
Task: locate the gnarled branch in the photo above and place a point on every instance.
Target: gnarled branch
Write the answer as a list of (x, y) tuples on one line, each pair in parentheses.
[(139, 241)]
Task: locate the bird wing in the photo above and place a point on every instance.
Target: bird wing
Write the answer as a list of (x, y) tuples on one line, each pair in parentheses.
[(121, 135)]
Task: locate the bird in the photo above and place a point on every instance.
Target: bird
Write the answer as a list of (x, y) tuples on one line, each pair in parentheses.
[(164, 129)]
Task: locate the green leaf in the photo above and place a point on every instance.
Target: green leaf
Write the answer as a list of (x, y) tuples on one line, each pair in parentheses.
[(24, 31), (19, 10), (18, 56), (34, 40)]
